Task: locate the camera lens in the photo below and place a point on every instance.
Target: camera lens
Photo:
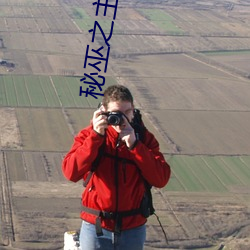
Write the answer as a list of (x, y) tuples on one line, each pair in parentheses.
[(114, 120)]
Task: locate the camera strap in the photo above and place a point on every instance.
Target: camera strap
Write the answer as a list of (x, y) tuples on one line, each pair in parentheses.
[(95, 163)]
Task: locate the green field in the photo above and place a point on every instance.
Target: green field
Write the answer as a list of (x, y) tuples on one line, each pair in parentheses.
[(156, 15), (208, 173), (226, 52), (86, 22), (161, 19), (45, 91), (79, 13)]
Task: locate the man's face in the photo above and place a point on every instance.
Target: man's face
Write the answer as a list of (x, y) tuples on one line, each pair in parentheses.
[(124, 107)]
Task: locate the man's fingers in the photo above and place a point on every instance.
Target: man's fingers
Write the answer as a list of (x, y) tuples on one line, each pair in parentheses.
[(97, 113)]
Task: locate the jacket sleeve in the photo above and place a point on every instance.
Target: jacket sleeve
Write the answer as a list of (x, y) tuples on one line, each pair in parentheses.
[(151, 161), (83, 152)]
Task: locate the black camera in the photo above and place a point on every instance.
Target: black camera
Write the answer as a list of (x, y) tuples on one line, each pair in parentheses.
[(114, 118)]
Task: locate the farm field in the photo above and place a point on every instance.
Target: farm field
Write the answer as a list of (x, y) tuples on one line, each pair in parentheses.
[(9, 136), (220, 24), (23, 166), (216, 132), (161, 20), (237, 59), (48, 47), (41, 130), (40, 196), (209, 173), (186, 63), (44, 91), (182, 82), (46, 53)]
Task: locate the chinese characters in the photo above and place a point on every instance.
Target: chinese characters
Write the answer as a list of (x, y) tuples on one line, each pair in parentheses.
[(97, 58)]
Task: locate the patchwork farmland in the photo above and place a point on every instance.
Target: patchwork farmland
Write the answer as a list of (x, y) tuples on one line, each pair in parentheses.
[(44, 91), (187, 65)]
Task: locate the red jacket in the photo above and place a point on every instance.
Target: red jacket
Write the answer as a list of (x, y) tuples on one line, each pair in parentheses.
[(101, 191)]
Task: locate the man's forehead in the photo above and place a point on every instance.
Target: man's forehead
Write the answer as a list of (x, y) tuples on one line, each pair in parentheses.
[(120, 105)]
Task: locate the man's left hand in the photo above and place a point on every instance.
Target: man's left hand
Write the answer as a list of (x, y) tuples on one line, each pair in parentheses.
[(127, 133)]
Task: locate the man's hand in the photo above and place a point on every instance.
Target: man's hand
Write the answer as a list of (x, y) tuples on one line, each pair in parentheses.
[(127, 133), (100, 122)]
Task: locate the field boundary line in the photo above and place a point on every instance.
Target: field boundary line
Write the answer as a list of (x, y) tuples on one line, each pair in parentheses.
[(70, 91), (53, 85), (25, 166), (7, 206), (213, 172), (33, 151), (219, 68), (26, 87), (204, 110), (173, 212), (5, 93), (202, 185), (18, 130), (8, 93), (167, 153), (40, 83), (67, 119), (175, 148), (42, 52), (248, 166), (65, 115), (36, 23), (182, 184), (48, 107), (73, 21), (14, 85), (232, 171)]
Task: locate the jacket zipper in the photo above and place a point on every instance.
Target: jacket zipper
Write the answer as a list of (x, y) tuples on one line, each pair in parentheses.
[(116, 177), (116, 166)]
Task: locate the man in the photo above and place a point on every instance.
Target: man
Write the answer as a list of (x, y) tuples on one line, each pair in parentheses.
[(113, 197)]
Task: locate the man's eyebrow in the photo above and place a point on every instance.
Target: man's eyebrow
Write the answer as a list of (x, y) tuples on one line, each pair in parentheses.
[(130, 109)]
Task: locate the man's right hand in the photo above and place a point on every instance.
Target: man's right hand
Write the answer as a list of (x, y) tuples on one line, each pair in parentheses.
[(100, 122)]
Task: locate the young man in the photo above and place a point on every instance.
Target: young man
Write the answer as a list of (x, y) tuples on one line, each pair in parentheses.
[(113, 197)]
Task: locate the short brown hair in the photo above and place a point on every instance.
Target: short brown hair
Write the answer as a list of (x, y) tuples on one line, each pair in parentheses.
[(116, 93)]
